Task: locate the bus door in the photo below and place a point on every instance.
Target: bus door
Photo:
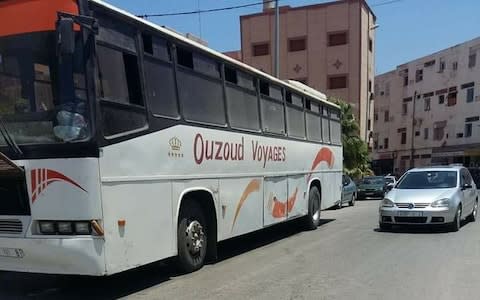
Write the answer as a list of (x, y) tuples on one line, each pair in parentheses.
[(275, 200)]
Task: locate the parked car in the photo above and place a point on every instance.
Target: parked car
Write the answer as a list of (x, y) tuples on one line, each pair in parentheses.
[(371, 186), (349, 192), (435, 195)]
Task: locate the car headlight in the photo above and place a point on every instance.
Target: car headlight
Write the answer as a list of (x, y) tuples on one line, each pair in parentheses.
[(387, 203), (441, 203)]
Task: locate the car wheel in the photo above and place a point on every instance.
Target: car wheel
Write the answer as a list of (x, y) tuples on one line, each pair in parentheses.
[(312, 220), (385, 226), (457, 222), (192, 238), (473, 216), (352, 202)]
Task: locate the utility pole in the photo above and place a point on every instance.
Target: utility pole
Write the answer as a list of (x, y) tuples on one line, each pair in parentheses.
[(277, 41), (412, 161)]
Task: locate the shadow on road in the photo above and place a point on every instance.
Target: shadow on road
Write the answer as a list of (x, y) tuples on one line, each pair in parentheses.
[(36, 286)]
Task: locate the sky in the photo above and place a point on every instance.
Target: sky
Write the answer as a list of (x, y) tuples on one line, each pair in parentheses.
[(408, 29)]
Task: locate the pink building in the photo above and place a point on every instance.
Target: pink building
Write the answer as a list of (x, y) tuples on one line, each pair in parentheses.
[(329, 46)]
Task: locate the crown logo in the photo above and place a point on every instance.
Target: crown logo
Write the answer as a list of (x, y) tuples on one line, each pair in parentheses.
[(175, 144)]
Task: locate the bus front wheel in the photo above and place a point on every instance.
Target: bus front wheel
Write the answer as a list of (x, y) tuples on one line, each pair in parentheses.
[(312, 219), (192, 237)]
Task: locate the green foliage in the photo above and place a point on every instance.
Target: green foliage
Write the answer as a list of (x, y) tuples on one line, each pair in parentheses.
[(356, 162)]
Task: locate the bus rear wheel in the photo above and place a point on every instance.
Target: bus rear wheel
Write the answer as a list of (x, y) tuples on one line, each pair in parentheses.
[(192, 238), (312, 219)]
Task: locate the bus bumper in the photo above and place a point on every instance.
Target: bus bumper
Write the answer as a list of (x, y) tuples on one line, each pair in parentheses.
[(79, 256)]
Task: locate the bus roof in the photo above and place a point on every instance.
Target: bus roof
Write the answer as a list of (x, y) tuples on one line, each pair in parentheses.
[(292, 84)]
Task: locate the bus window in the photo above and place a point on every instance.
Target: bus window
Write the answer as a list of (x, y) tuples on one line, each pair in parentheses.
[(119, 83), (272, 108), (242, 101), (295, 115), (335, 127), (201, 96), (159, 78), (325, 125), (314, 128)]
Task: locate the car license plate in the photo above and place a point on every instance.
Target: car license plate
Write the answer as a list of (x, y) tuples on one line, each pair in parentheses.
[(12, 252), (409, 214)]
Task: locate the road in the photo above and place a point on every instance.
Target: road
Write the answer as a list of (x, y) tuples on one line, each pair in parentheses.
[(345, 258)]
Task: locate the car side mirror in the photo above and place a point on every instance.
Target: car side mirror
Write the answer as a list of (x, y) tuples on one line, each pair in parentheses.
[(65, 36), (345, 183), (389, 187), (466, 186)]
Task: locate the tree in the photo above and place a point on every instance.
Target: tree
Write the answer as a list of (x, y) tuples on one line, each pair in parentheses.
[(356, 162)]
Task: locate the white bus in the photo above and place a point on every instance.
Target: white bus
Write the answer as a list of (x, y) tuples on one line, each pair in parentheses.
[(125, 143)]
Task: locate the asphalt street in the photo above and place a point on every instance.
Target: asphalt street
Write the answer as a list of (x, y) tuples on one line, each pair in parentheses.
[(347, 257)]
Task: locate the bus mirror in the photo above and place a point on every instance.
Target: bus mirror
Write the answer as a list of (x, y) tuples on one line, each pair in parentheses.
[(65, 36)]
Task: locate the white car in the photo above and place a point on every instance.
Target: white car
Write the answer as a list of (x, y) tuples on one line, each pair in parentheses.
[(435, 195)]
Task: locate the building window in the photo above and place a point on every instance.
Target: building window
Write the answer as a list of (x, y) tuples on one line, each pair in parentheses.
[(441, 99), (425, 133), (370, 86), (405, 80), (419, 75), (455, 65), (386, 116), (375, 145), (427, 104), (452, 99), (439, 130), (375, 116), (337, 82), (469, 95), (404, 138), (429, 63), (261, 49), (404, 108), (370, 44), (387, 89), (385, 143), (441, 65), (369, 124), (337, 38), (417, 133), (468, 130), (472, 60), (297, 44)]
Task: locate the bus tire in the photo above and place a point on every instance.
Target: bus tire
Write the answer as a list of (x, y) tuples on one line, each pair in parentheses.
[(312, 219), (191, 237)]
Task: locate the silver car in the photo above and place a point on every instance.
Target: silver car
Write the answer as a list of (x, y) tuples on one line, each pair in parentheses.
[(434, 195)]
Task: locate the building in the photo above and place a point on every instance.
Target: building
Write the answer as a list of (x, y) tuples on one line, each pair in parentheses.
[(427, 111), (329, 46)]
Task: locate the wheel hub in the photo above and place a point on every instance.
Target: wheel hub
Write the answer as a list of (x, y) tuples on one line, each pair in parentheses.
[(195, 237)]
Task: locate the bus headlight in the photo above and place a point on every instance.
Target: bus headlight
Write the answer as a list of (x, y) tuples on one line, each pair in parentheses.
[(64, 227), (83, 228), (47, 227)]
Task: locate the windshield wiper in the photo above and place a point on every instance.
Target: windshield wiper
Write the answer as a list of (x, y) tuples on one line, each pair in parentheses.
[(8, 138)]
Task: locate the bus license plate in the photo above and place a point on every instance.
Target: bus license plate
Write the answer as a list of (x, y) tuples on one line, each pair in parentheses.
[(12, 252), (409, 214)]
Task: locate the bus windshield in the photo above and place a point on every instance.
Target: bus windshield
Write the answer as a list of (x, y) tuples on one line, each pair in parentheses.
[(34, 91)]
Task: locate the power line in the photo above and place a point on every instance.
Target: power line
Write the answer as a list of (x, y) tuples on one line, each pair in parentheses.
[(385, 3), (198, 11)]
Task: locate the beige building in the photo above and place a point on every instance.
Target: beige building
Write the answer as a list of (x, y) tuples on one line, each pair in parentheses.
[(427, 111), (329, 46)]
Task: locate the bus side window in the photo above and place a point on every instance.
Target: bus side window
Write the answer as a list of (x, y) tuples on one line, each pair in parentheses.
[(120, 91), (314, 128), (200, 88), (295, 115), (159, 78), (335, 127), (325, 125), (242, 101), (272, 108)]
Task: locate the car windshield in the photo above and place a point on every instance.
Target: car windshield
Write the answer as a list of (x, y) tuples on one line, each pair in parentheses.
[(33, 102), (428, 180), (373, 180)]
